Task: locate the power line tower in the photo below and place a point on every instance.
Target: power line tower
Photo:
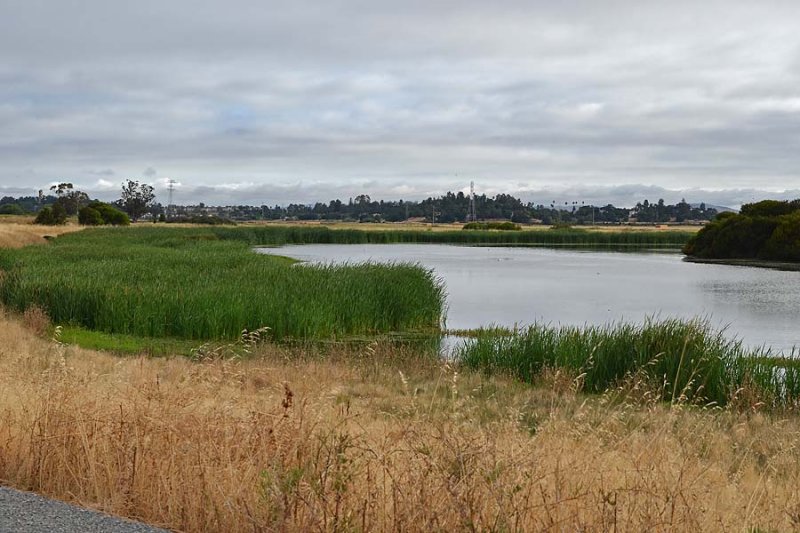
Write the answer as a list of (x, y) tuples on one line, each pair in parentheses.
[(170, 189), (472, 216)]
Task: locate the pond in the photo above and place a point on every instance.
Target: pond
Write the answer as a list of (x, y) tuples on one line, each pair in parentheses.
[(508, 286)]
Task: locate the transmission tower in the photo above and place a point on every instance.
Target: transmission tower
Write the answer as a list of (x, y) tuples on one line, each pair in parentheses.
[(473, 217), (170, 188)]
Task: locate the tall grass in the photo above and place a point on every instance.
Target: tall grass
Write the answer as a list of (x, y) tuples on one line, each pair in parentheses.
[(188, 283), (376, 440), (685, 360), (279, 235)]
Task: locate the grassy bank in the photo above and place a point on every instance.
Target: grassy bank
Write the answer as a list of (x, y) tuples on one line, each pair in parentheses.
[(199, 284), (377, 439), (683, 360), (274, 235)]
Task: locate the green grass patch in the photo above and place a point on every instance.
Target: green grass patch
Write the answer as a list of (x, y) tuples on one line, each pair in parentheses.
[(126, 344), (682, 359), (198, 283)]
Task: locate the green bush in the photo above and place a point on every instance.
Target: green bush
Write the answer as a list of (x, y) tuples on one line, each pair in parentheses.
[(752, 234), (784, 244), (88, 216), (51, 216), (110, 214)]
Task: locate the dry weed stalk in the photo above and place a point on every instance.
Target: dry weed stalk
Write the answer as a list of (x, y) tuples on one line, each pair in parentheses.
[(267, 444)]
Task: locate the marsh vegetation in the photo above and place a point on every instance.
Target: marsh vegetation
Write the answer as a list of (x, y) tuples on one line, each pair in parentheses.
[(630, 427), (682, 360), (199, 285)]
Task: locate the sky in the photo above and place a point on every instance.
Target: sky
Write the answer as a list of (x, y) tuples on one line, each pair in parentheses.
[(254, 102)]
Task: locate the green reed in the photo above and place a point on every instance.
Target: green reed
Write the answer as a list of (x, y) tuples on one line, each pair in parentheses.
[(280, 235), (682, 359), (197, 284)]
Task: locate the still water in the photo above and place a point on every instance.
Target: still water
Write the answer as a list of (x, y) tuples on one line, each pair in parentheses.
[(508, 286)]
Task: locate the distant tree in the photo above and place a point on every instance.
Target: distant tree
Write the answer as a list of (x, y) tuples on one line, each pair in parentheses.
[(136, 198), (11, 209), (70, 198)]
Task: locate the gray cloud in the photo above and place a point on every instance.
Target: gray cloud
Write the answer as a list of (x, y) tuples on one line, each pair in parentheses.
[(572, 95)]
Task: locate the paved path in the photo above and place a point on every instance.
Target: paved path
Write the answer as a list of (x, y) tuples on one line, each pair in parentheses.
[(24, 512)]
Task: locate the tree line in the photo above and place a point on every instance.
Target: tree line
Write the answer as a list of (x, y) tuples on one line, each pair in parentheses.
[(138, 200), (455, 207)]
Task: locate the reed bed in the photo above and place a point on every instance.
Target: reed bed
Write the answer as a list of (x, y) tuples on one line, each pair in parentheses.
[(280, 235), (684, 360), (188, 283)]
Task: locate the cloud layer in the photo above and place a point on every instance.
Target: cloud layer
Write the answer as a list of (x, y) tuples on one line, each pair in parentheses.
[(283, 99)]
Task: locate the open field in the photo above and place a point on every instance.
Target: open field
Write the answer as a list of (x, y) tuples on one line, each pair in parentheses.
[(378, 438), (16, 232)]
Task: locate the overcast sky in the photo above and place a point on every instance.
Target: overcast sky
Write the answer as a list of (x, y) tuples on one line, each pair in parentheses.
[(269, 102)]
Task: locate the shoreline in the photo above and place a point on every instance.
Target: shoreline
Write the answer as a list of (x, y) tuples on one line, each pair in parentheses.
[(757, 263)]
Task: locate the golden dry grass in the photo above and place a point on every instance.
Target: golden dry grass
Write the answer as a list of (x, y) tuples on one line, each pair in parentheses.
[(376, 438), (16, 232)]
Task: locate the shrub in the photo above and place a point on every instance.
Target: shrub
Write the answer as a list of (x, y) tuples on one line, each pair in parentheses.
[(110, 214), (88, 216), (764, 230), (784, 244), (51, 216), (59, 213)]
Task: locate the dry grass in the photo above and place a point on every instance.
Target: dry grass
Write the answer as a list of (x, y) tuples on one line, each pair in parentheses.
[(16, 232), (376, 439)]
